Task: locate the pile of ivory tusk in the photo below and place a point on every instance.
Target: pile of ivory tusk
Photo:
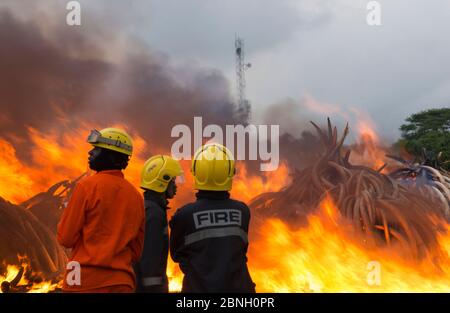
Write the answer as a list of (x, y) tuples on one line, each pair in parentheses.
[(381, 209)]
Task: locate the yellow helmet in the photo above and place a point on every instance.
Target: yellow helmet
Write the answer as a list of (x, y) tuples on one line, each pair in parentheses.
[(158, 171), (112, 139), (213, 168)]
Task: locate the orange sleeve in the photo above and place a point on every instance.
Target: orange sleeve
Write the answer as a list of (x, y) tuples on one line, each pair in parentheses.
[(137, 244), (72, 219)]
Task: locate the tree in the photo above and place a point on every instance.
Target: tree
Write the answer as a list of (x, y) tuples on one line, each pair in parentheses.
[(430, 130)]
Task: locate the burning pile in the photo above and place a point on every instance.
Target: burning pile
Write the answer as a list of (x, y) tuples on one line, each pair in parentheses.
[(384, 210), (21, 278), (320, 232), (24, 235), (33, 261), (325, 255), (433, 181), (316, 234)]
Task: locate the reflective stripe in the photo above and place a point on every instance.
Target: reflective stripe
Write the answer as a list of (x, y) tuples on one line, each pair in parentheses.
[(113, 142), (216, 233), (96, 137), (151, 281)]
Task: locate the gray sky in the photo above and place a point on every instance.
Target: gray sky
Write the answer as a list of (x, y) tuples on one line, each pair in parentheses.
[(319, 49)]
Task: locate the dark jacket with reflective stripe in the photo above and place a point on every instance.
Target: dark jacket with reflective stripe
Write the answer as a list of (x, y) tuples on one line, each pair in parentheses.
[(151, 269), (209, 240)]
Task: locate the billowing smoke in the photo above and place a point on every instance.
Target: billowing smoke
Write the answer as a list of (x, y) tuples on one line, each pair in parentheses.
[(54, 78), (46, 83)]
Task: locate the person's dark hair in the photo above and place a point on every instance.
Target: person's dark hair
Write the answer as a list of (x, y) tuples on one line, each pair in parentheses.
[(109, 160)]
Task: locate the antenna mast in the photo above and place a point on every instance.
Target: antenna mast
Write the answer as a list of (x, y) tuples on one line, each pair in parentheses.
[(243, 108)]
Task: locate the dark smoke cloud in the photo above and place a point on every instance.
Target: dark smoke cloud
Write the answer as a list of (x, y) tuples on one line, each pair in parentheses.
[(56, 78), (299, 142), (43, 78), (38, 79)]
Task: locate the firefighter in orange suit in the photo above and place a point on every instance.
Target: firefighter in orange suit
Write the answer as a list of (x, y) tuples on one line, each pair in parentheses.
[(104, 222)]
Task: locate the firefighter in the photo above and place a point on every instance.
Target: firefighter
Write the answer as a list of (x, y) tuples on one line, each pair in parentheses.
[(158, 182), (104, 221), (209, 238)]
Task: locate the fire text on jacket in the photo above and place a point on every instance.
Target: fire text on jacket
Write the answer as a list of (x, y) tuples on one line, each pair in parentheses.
[(217, 218)]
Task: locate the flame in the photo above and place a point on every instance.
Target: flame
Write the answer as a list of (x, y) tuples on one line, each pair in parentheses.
[(322, 257), (24, 284), (175, 276), (241, 191), (265, 182), (368, 149), (12, 173), (55, 157), (50, 163)]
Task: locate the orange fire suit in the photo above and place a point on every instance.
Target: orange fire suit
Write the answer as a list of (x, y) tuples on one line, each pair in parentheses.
[(104, 225)]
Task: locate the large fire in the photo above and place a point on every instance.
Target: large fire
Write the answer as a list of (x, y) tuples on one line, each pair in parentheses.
[(55, 157), (319, 257), (322, 257)]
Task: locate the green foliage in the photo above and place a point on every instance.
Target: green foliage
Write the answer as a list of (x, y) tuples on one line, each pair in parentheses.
[(430, 130)]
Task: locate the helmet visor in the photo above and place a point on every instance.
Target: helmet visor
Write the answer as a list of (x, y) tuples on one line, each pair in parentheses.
[(94, 136)]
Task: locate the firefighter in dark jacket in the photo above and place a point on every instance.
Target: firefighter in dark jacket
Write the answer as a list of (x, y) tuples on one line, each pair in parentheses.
[(209, 238), (158, 180)]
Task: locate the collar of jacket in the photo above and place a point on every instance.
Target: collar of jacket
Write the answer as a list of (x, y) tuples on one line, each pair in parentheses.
[(214, 195), (156, 197), (117, 173)]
